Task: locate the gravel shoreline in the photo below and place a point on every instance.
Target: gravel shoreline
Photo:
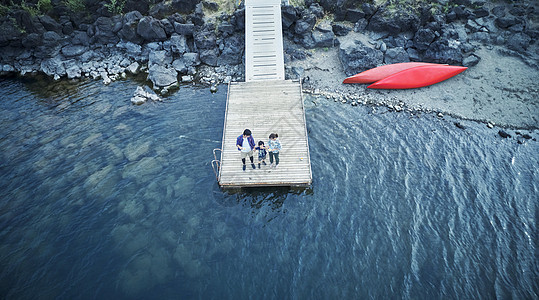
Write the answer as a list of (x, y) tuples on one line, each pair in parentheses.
[(184, 41), (500, 89)]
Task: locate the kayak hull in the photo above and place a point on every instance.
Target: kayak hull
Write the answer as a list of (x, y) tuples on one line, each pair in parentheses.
[(382, 72), (418, 77)]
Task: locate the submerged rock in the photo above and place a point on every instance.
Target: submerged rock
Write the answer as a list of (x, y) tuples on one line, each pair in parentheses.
[(141, 96), (162, 76), (504, 134)]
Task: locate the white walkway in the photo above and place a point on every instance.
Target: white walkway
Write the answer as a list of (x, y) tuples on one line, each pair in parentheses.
[(263, 40)]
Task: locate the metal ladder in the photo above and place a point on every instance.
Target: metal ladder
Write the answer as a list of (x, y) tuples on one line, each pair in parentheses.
[(216, 164)]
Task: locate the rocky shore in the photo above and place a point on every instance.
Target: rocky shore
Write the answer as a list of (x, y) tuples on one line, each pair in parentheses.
[(183, 41)]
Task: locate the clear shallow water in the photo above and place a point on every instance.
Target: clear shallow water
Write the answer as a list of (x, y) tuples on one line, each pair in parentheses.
[(101, 199)]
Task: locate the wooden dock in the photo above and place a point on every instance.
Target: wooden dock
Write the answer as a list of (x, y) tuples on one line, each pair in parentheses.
[(265, 103), (265, 107)]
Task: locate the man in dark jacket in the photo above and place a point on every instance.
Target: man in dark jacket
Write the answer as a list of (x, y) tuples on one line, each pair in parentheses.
[(246, 146)]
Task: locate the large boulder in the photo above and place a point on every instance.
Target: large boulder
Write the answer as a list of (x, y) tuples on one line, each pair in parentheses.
[(25, 21), (184, 29), (393, 22), (209, 57), (52, 43), (128, 31), (205, 38), (356, 57), (518, 42), (162, 76), (187, 62), (104, 31), (444, 52), (323, 38), (32, 40), (506, 22), (151, 30), (177, 44), (340, 29), (232, 53), (423, 38), (305, 24), (288, 16), (142, 7), (354, 15), (80, 38), (185, 6), (396, 55), (73, 50), (161, 58), (238, 19), (9, 32), (53, 67), (50, 24)]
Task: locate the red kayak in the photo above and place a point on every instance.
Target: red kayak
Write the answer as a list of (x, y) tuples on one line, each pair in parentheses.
[(382, 72), (418, 77)]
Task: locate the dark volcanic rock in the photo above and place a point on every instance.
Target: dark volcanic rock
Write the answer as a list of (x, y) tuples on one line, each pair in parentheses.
[(441, 52), (162, 76), (73, 50), (238, 19), (185, 6), (206, 38), (8, 32), (232, 53), (384, 21), (471, 61), (288, 16), (518, 42), (184, 29), (341, 29), (151, 29), (210, 5), (480, 13), (396, 55), (142, 7), (177, 44), (32, 40), (356, 57), (129, 33), (423, 38), (305, 24), (323, 39), (504, 134), (104, 31), (354, 15), (498, 11), (50, 24), (25, 21), (226, 29), (52, 43), (505, 22), (161, 58), (209, 57)]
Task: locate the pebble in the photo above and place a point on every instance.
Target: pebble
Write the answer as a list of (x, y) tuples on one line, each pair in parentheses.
[(504, 134)]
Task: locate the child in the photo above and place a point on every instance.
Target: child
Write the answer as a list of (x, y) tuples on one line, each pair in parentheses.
[(261, 153), (274, 146)]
